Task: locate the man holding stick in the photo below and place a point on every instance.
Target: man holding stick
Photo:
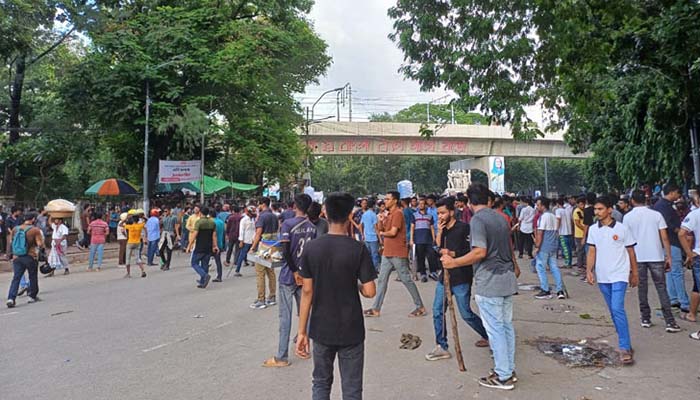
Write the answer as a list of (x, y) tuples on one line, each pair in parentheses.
[(495, 279), (453, 237)]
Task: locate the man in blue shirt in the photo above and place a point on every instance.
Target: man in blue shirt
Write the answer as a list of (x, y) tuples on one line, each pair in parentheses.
[(422, 235), (369, 233), (153, 232), (432, 210), (220, 243), (296, 234), (675, 279)]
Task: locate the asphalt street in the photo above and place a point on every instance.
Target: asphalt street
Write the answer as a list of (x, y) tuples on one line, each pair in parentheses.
[(99, 336)]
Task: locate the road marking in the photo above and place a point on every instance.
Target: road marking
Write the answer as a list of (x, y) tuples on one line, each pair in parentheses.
[(185, 338), (9, 313)]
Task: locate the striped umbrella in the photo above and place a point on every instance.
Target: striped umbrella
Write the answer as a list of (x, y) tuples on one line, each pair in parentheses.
[(112, 187)]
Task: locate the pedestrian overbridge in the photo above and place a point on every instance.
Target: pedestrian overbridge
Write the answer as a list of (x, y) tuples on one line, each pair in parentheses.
[(389, 138)]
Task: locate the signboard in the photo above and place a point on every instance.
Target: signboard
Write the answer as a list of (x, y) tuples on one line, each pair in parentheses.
[(497, 177), (179, 171)]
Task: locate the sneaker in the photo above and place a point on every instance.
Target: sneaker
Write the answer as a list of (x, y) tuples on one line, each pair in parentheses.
[(258, 305), (434, 276), (33, 300), (561, 295), (673, 328), (424, 278), (238, 274), (676, 305), (143, 274), (22, 291), (492, 381), (514, 376), (542, 295), (646, 323), (10, 304), (271, 301), (216, 280), (66, 272), (206, 281), (438, 353)]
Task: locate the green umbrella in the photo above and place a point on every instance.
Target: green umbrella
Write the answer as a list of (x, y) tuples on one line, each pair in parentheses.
[(213, 185)]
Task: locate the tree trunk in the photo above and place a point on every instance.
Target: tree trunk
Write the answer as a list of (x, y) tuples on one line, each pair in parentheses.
[(161, 145), (9, 187)]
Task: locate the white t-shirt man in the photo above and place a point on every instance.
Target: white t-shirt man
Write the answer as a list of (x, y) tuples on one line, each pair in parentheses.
[(527, 216), (645, 224), (691, 223), (564, 218), (612, 262)]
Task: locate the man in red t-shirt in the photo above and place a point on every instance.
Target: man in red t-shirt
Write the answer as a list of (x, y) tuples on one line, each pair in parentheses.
[(392, 229), (97, 232)]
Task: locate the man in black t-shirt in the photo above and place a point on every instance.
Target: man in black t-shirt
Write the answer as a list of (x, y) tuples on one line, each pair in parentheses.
[(453, 237), (331, 267)]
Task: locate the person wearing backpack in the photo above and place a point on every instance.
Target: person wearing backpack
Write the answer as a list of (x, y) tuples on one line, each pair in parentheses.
[(26, 241)]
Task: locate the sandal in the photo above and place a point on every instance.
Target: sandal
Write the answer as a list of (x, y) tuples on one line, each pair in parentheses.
[(684, 317), (418, 312), (371, 313), (275, 363), (626, 357)]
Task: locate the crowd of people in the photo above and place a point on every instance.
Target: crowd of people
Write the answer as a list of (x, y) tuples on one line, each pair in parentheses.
[(468, 244)]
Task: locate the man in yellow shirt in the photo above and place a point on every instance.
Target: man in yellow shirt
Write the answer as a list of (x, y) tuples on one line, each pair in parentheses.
[(134, 227), (191, 223), (580, 236)]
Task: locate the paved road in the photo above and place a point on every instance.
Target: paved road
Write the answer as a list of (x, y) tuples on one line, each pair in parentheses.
[(99, 336)]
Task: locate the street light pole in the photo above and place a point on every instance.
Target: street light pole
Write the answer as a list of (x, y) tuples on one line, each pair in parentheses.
[(145, 149)]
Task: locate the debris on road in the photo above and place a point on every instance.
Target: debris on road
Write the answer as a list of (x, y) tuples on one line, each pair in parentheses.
[(575, 354), (61, 313), (410, 342)]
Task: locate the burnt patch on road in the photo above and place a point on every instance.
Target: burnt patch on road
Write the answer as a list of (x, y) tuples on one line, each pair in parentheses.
[(577, 353)]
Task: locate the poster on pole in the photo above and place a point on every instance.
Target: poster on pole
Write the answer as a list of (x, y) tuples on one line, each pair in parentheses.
[(179, 171), (497, 175)]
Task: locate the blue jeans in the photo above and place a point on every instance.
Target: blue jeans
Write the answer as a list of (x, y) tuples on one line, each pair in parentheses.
[(152, 250), (696, 276), (286, 295), (462, 294), (241, 255), (675, 279), (548, 258), (200, 264), (614, 295), (566, 243), (19, 266), (373, 248), (497, 316), (99, 249), (401, 266)]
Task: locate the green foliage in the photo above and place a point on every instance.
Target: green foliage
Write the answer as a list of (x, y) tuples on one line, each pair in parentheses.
[(617, 75), (224, 69)]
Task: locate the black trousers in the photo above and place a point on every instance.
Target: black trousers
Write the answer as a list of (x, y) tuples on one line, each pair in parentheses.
[(525, 243), (424, 251), (232, 249), (351, 362), (217, 259), (166, 253)]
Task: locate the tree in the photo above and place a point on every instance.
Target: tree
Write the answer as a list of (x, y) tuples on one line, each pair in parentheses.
[(26, 27), (609, 73), (226, 70)]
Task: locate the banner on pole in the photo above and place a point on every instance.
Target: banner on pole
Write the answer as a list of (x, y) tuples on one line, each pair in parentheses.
[(179, 171)]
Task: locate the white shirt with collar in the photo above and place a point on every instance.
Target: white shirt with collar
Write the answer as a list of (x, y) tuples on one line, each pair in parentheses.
[(612, 262), (645, 224), (691, 223)]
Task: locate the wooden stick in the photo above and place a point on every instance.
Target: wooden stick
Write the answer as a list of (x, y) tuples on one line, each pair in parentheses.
[(453, 319)]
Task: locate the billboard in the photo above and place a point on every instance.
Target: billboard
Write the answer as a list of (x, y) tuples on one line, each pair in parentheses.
[(497, 174), (179, 171)]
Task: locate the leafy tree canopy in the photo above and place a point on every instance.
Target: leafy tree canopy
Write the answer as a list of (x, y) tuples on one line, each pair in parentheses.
[(620, 77)]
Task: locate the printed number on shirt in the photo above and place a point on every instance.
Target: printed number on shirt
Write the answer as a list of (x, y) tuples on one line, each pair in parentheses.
[(302, 242)]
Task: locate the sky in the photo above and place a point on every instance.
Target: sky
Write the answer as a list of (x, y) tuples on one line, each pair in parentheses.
[(357, 36)]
